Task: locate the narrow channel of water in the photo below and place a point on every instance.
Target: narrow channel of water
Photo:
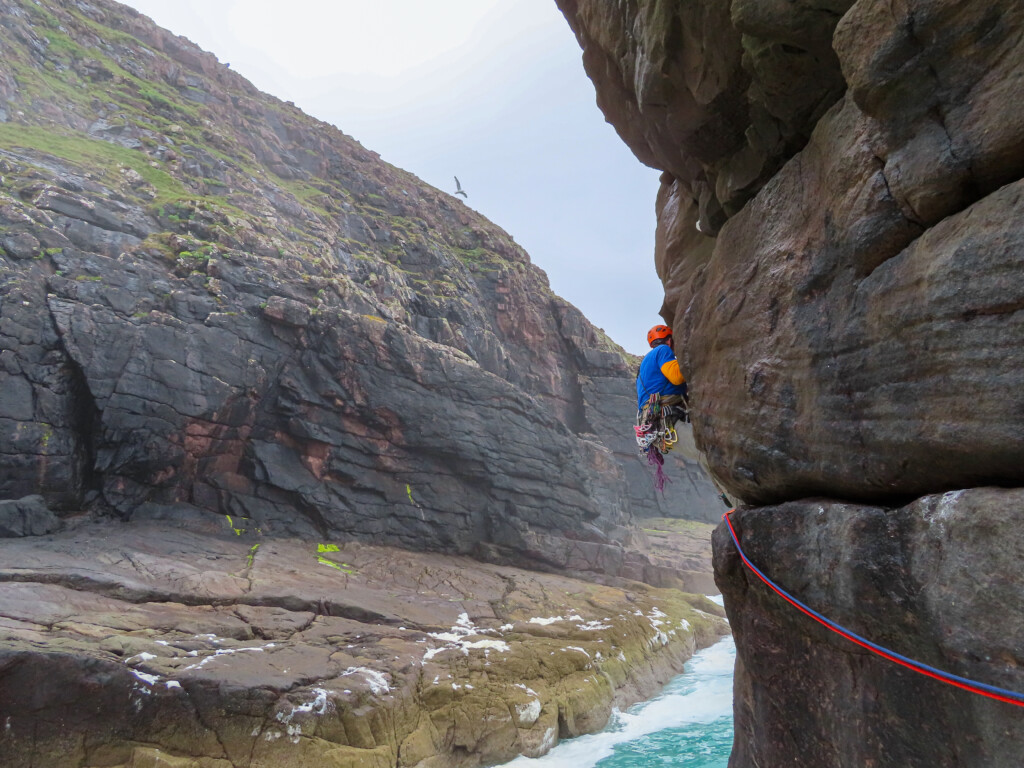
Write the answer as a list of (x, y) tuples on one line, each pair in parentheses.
[(688, 725)]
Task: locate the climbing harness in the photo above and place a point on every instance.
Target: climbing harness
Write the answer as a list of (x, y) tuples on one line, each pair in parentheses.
[(656, 433), (982, 689), (655, 424)]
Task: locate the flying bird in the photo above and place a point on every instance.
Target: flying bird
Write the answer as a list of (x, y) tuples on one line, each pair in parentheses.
[(458, 188)]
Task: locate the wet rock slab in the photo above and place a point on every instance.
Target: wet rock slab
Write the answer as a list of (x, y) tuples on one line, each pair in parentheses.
[(153, 644)]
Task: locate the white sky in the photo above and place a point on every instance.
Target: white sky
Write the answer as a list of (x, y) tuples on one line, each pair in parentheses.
[(491, 91)]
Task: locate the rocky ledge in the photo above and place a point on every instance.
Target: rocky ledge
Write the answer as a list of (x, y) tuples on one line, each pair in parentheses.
[(189, 644)]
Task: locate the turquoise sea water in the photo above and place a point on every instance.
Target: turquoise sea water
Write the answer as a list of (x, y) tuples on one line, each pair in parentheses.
[(689, 725)]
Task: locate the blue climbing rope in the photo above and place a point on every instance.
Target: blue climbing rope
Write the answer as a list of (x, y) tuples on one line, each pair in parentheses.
[(983, 689)]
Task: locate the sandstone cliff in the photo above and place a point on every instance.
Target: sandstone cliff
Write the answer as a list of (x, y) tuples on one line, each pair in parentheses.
[(840, 243)]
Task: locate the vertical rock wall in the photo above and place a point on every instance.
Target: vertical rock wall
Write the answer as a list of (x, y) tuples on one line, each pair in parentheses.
[(840, 243)]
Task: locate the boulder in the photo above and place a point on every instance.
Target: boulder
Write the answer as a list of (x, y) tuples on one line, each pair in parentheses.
[(28, 516)]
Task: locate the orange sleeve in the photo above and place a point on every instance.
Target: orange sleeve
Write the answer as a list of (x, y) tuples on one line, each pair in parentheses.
[(672, 372)]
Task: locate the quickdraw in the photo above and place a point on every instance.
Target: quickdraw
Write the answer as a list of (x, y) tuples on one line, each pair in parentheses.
[(656, 433), (655, 425)]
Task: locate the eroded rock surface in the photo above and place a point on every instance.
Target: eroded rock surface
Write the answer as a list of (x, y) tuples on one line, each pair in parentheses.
[(171, 644), (840, 243)]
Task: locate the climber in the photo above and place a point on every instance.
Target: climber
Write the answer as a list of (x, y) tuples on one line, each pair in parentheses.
[(661, 402), (659, 374)]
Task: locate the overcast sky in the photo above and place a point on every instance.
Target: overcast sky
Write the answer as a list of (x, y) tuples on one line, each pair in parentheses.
[(491, 91)]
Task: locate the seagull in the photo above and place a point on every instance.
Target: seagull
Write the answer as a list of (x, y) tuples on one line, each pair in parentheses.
[(458, 188)]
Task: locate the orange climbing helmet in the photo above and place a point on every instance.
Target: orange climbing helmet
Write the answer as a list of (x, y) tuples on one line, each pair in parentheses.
[(658, 332)]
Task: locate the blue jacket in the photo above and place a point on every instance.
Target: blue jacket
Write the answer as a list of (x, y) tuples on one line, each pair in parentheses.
[(659, 374)]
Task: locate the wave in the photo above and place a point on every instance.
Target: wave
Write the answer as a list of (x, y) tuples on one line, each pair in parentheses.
[(702, 695)]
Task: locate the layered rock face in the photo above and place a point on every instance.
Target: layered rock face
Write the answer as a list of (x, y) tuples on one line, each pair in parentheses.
[(208, 297), (864, 298), (840, 246)]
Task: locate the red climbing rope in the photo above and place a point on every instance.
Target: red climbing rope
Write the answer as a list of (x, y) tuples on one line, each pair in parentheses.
[(982, 689)]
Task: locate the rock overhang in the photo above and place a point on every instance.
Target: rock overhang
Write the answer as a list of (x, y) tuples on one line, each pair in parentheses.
[(797, 391)]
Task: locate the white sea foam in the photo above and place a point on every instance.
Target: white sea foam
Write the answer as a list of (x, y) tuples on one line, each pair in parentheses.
[(377, 681), (703, 694), (572, 617), (716, 599), (458, 639), (147, 679), (497, 645), (320, 705), (225, 652), (528, 713)]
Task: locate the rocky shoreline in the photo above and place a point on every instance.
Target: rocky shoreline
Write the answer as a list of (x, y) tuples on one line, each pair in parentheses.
[(204, 645)]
